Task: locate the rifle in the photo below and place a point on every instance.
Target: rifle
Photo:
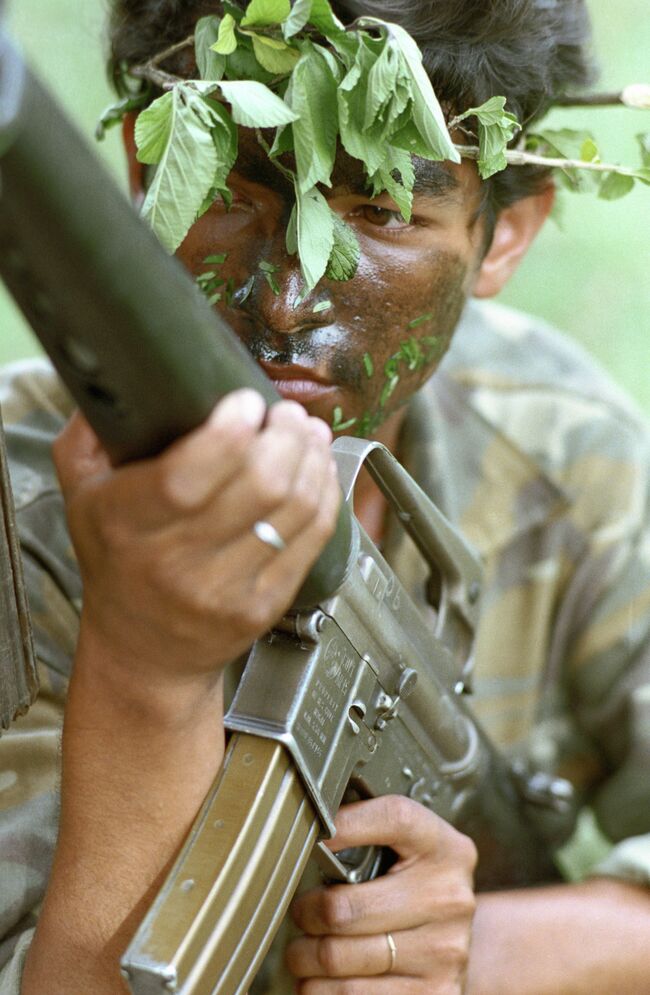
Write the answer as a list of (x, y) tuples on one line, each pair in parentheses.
[(351, 689)]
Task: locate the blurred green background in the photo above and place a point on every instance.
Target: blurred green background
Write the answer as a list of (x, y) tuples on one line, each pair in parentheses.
[(592, 278)]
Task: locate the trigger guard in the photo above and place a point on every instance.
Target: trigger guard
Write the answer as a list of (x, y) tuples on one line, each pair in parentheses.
[(349, 871)]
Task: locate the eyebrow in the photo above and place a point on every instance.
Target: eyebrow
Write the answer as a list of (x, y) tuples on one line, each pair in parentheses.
[(433, 180)]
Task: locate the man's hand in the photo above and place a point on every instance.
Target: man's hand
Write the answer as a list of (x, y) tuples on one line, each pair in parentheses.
[(425, 901), (175, 580), (176, 584)]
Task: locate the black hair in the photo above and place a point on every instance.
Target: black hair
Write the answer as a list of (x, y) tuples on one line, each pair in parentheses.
[(530, 51)]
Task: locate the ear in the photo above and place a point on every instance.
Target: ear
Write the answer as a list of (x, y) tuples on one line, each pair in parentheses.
[(136, 169), (514, 232)]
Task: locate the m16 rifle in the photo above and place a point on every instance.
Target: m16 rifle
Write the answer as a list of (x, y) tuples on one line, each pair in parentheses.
[(351, 688)]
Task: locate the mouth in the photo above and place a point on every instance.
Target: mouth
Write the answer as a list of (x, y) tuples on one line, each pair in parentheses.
[(298, 383)]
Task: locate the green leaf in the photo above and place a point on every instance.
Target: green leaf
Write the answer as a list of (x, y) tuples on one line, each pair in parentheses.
[(321, 306), (315, 235), (382, 79), (113, 115), (176, 133), (615, 186), (368, 364), (589, 151), (644, 144), (411, 353), (274, 55), (226, 142), (399, 187), (496, 128), (291, 236), (427, 113), (419, 320), (388, 389), (226, 42), (491, 112), (345, 251), (352, 95), (242, 64), (435, 346), (565, 143), (297, 19), (334, 64), (324, 19), (269, 270), (264, 13), (283, 141), (255, 106), (312, 96), (210, 65), (338, 423), (153, 129)]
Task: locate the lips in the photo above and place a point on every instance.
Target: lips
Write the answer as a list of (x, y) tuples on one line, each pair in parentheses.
[(297, 383)]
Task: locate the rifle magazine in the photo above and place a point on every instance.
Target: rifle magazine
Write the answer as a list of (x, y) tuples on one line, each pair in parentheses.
[(218, 911)]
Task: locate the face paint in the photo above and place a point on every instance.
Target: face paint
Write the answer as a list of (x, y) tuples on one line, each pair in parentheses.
[(400, 309)]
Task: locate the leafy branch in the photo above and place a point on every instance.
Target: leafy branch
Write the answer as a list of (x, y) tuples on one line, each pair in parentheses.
[(296, 70)]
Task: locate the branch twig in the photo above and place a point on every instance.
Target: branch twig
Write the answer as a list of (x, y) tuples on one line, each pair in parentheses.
[(166, 81), (167, 53), (517, 158), (589, 100), (149, 70)]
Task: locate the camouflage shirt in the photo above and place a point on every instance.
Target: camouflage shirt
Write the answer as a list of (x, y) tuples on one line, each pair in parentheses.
[(545, 467)]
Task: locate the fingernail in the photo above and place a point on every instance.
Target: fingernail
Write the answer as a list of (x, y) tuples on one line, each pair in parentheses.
[(244, 405)]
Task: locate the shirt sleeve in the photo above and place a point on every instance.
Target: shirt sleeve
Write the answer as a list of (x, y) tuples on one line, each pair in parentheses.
[(11, 974), (30, 749), (609, 675)]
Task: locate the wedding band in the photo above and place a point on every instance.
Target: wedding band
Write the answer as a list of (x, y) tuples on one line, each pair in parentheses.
[(269, 535), (392, 949)]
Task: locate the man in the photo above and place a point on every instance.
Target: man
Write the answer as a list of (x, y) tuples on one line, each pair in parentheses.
[(525, 446)]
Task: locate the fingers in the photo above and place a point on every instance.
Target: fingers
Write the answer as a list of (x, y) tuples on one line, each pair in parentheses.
[(347, 957), (425, 951), (165, 545), (388, 984), (249, 469), (181, 483), (78, 454), (430, 883), (392, 820), (425, 904), (289, 464)]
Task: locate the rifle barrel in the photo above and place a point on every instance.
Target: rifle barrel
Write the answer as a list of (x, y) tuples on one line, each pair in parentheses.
[(134, 340)]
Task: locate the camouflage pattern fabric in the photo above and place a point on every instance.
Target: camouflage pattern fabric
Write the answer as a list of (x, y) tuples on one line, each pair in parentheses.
[(529, 449)]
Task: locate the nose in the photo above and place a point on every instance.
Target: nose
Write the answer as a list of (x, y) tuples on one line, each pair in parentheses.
[(274, 297)]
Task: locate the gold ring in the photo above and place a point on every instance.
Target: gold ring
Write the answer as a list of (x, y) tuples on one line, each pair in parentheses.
[(392, 949)]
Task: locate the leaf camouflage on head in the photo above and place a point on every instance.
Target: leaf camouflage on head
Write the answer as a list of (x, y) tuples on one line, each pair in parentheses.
[(307, 84)]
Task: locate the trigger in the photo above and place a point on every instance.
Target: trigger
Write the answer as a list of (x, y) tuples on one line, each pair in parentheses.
[(350, 866)]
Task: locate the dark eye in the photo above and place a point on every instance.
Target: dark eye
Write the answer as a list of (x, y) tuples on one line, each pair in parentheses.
[(382, 217)]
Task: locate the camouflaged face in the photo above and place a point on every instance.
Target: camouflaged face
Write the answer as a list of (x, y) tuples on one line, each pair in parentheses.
[(540, 461)]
